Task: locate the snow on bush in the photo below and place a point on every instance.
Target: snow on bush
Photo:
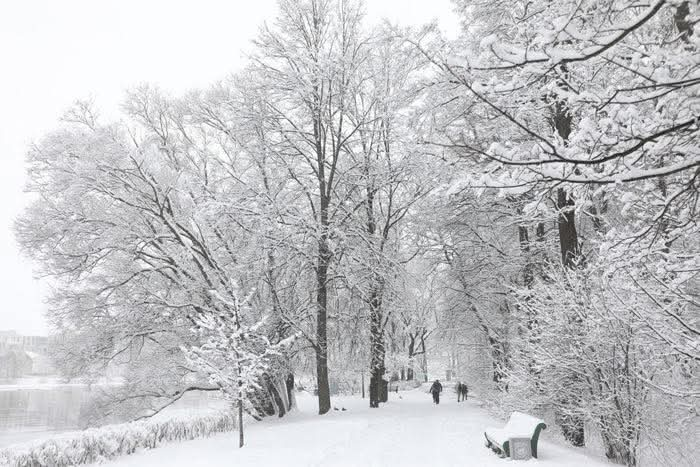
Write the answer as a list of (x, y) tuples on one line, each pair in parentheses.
[(100, 444)]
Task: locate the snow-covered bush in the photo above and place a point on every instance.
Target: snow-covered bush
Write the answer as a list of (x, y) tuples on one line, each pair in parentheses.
[(100, 444), (585, 351)]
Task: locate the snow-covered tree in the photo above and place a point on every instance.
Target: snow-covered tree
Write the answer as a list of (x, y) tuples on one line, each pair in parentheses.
[(137, 228)]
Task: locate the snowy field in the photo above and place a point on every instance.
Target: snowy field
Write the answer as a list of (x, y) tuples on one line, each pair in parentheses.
[(407, 431)]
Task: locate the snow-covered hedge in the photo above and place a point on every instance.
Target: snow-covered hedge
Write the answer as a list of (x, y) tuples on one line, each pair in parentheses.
[(100, 444)]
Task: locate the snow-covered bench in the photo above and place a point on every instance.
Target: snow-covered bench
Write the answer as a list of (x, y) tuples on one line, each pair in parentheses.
[(519, 425)]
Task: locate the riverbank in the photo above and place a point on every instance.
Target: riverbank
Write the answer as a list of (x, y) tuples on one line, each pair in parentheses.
[(112, 441), (36, 409)]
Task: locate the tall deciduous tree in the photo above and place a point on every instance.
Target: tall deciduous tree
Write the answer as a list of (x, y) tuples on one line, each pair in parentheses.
[(309, 62)]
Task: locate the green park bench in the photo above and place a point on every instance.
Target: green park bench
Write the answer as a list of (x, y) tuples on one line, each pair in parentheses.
[(519, 425)]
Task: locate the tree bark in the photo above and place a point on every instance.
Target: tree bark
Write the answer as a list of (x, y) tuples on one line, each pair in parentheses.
[(411, 354), (680, 18), (568, 237), (572, 425), (277, 399), (240, 422), (377, 365), (324, 396), (289, 383), (424, 361), (524, 238), (499, 359), (323, 262)]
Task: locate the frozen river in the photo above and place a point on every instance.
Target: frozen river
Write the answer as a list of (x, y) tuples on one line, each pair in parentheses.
[(32, 409), (38, 408)]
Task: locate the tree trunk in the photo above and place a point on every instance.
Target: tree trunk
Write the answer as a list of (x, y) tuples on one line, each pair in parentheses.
[(289, 383), (276, 397), (411, 354), (568, 237), (377, 365), (573, 425), (324, 255), (324, 394), (240, 422), (524, 239), (680, 18), (424, 361), (541, 248), (383, 391), (499, 362)]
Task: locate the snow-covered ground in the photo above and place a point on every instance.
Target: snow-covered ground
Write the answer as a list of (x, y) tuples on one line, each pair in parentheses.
[(407, 431)]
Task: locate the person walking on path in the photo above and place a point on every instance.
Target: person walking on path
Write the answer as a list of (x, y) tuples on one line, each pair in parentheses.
[(462, 392), (435, 390)]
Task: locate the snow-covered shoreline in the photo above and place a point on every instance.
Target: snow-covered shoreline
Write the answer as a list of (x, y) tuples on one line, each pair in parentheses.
[(111, 441)]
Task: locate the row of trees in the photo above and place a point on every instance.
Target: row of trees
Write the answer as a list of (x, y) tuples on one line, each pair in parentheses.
[(526, 194), (575, 125), (206, 234)]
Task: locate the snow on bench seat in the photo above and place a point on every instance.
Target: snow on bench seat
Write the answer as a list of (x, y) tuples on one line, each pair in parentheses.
[(520, 425)]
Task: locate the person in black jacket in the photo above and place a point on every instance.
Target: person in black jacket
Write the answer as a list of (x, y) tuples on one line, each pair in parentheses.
[(462, 391), (435, 390)]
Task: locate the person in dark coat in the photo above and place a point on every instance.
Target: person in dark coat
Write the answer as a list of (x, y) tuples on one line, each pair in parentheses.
[(462, 392), (435, 390)]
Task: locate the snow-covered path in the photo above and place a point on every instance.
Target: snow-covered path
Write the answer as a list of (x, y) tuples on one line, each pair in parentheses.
[(409, 431)]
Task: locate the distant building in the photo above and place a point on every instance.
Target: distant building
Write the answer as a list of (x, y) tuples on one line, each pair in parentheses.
[(39, 344), (24, 355), (41, 364), (12, 340), (14, 364)]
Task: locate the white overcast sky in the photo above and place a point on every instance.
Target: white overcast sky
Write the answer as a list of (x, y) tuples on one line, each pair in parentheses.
[(53, 52)]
